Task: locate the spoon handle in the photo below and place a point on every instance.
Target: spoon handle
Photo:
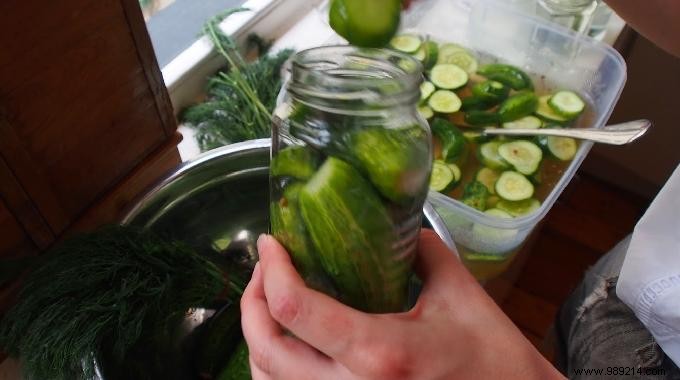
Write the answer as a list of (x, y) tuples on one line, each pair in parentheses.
[(617, 134)]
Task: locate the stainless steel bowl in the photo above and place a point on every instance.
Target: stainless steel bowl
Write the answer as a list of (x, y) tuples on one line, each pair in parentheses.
[(220, 197)]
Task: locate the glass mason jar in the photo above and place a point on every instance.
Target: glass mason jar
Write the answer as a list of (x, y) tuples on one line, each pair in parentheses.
[(573, 14), (351, 161)]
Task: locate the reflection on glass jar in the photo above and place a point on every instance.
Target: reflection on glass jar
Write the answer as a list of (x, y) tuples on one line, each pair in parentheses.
[(573, 14), (351, 161)]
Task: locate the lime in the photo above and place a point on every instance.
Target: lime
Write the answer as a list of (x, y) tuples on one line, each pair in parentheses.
[(365, 23)]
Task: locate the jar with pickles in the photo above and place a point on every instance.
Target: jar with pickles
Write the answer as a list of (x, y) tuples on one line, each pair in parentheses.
[(351, 162)]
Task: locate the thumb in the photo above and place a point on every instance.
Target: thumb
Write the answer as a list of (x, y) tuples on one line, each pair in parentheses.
[(439, 267)]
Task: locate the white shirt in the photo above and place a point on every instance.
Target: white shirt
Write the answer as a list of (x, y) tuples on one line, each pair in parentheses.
[(649, 282)]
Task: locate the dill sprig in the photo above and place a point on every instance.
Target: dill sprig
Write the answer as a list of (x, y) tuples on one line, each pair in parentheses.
[(100, 294), (240, 99)]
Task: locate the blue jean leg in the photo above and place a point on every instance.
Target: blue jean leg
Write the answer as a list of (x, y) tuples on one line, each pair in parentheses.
[(594, 329)]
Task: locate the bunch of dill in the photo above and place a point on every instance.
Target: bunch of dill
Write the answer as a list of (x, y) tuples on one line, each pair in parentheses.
[(240, 99), (100, 294)]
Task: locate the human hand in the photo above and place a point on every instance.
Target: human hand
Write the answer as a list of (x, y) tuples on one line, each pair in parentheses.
[(454, 331)]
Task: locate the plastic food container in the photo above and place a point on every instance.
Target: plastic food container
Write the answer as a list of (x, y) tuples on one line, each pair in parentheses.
[(553, 55)]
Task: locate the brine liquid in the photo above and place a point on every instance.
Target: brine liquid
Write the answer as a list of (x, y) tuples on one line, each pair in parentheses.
[(549, 173)]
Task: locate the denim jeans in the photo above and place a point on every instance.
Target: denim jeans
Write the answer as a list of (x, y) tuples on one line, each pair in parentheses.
[(598, 336)]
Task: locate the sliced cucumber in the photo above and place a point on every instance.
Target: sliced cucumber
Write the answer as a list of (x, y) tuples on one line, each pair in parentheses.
[(519, 208), (508, 75), (527, 122), (488, 155), (563, 148), (517, 106), (493, 235), (448, 76), (488, 177), (476, 137), (546, 112), (462, 59), (426, 89), (513, 186), (457, 173), (444, 101), (492, 200), (426, 112), (567, 104), (523, 155), (482, 118), (450, 137), (427, 54), (407, 43), (441, 177), (448, 49)]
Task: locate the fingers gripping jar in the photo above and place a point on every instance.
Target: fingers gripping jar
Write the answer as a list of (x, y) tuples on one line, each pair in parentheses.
[(351, 161)]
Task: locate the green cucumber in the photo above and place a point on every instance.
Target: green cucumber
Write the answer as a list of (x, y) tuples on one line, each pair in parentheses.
[(508, 75), (218, 339), (492, 200), (407, 43), (527, 122), (397, 161), (488, 155), (442, 176), (426, 90), (238, 365), (491, 91), (444, 101), (451, 138), (519, 208), (488, 177), (518, 106), (295, 161), (448, 76), (427, 54), (426, 112), (351, 227), (482, 118), (562, 148), (475, 195), (566, 104), (545, 112), (513, 186), (473, 103), (365, 23), (287, 226), (523, 155)]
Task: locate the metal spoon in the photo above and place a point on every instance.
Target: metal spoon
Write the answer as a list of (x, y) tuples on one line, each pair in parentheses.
[(617, 134)]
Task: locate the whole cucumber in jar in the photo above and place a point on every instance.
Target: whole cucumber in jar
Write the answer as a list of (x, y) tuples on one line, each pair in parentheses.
[(351, 164)]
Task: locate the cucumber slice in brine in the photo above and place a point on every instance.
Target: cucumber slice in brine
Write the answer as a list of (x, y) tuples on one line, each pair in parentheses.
[(546, 112), (427, 54), (426, 112), (448, 76), (523, 155), (444, 101), (407, 43), (441, 177), (426, 89), (563, 148), (488, 155), (513, 186), (488, 177), (519, 208), (567, 104), (527, 122)]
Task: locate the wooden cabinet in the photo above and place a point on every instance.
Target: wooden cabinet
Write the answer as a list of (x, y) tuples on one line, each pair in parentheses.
[(86, 123)]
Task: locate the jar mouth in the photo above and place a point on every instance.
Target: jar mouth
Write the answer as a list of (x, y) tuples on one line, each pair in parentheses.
[(334, 75)]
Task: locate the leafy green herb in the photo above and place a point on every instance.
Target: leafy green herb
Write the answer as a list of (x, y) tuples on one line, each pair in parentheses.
[(240, 99), (100, 294)]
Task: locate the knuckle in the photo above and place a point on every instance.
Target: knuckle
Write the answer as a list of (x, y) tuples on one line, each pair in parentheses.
[(389, 361), (261, 357), (286, 308)]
